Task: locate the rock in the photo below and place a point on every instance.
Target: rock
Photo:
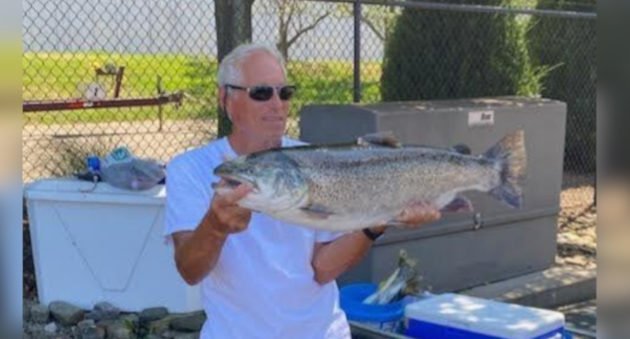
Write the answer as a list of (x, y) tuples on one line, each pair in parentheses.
[(153, 314), (105, 310), (131, 319), (39, 313), (104, 324), (576, 260), (119, 330), (91, 315), (186, 335), (93, 333), (160, 326), (61, 336), (86, 323), (66, 314), (50, 328), (35, 330), (190, 322), (180, 335), (87, 329), (26, 309)]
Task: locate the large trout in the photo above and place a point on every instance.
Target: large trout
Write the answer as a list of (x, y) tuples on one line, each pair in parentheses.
[(350, 187)]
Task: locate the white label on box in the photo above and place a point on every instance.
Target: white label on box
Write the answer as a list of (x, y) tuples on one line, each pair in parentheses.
[(480, 118)]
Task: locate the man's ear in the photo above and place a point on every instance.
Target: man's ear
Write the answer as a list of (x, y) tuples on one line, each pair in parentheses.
[(223, 102), (222, 97)]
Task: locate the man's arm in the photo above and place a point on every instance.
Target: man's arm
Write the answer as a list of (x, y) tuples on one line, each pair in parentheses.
[(197, 252), (332, 259)]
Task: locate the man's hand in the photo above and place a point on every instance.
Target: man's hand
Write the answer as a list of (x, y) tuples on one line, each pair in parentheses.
[(197, 252), (226, 215)]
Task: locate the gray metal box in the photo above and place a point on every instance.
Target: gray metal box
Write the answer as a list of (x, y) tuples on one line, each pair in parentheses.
[(464, 249)]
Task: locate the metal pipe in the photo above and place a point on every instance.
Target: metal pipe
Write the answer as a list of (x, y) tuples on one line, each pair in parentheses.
[(119, 77), (357, 52), (61, 105), (474, 8)]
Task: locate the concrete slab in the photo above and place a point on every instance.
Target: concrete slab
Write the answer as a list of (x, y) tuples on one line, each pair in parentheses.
[(552, 288), (581, 319)]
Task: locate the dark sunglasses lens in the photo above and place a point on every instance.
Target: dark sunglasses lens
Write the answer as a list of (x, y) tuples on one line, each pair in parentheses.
[(261, 93), (287, 92)]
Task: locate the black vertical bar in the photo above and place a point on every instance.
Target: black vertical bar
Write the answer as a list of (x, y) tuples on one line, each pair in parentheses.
[(357, 52), (119, 76)]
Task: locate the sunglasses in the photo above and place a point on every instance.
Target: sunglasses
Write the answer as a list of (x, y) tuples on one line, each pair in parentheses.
[(264, 93)]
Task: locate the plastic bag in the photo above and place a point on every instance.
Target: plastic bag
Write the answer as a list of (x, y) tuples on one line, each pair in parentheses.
[(121, 169)]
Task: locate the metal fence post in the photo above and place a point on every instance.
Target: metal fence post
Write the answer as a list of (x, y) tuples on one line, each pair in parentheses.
[(356, 88)]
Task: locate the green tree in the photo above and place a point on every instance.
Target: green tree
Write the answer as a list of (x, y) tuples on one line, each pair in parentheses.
[(295, 18)]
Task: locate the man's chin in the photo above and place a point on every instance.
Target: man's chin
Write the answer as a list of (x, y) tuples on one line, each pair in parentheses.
[(275, 132)]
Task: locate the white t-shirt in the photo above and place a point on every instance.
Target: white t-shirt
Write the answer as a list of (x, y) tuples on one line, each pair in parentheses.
[(263, 284)]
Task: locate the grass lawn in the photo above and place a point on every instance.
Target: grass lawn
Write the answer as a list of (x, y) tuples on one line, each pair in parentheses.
[(59, 76)]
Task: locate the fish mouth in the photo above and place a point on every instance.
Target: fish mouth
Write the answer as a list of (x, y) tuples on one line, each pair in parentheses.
[(232, 182)]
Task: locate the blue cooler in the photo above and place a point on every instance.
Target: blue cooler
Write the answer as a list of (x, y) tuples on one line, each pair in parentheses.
[(458, 316), (388, 317)]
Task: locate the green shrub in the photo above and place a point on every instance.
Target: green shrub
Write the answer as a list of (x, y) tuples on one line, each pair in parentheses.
[(570, 45), (435, 54)]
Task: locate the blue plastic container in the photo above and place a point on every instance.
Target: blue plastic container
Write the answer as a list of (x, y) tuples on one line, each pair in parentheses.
[(93, 163), (453, 316), (387, 317)]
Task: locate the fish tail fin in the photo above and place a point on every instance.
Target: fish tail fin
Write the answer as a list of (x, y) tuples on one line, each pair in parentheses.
[(511, 157)]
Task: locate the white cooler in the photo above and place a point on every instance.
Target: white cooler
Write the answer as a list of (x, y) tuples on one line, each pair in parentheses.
[(104, 245), (458, 316)]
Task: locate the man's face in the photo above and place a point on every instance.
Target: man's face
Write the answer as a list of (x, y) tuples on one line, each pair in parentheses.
[(259, 119)]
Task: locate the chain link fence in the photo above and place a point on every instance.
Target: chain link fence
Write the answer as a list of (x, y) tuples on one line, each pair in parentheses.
[(150, 67)]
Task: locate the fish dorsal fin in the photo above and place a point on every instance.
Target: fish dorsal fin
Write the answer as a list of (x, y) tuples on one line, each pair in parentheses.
[(385, 138), (317, 211)]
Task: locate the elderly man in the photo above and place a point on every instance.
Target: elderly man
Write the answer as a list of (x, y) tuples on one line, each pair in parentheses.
[(260, 277)]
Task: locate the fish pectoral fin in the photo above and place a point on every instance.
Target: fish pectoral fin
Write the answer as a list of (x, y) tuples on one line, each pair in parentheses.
[(386, 139), (317, 211), (461, 149), (459, 204)]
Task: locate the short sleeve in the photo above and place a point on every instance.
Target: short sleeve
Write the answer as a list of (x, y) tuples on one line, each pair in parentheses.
[(187, 197), (327, 236)]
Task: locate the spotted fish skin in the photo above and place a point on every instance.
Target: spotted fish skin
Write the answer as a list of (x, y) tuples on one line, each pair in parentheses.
[(350, 187)]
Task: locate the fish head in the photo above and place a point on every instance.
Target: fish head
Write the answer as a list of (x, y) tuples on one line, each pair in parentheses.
[(276, 180)]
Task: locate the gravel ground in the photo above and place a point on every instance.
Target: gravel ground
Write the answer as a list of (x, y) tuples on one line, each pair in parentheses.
[(577, 237)]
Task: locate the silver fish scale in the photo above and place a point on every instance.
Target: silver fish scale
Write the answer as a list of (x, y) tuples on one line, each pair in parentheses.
[(380, 179)]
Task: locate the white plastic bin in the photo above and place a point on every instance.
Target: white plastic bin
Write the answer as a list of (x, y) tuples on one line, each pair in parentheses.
[(104, 245)]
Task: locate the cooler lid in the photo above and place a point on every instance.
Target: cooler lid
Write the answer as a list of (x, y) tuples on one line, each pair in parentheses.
[(72, 189), (484, 316)]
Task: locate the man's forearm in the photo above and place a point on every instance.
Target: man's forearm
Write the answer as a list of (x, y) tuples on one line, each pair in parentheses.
[(197, 252), (332, 259)]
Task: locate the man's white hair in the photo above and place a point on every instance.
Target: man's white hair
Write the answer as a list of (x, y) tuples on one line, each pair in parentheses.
[(230, 67)]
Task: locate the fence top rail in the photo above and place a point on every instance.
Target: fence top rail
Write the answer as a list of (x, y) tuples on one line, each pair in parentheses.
[(472, 8)]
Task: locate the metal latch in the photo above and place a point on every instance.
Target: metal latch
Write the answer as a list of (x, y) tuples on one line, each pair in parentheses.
[(477, 220)]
